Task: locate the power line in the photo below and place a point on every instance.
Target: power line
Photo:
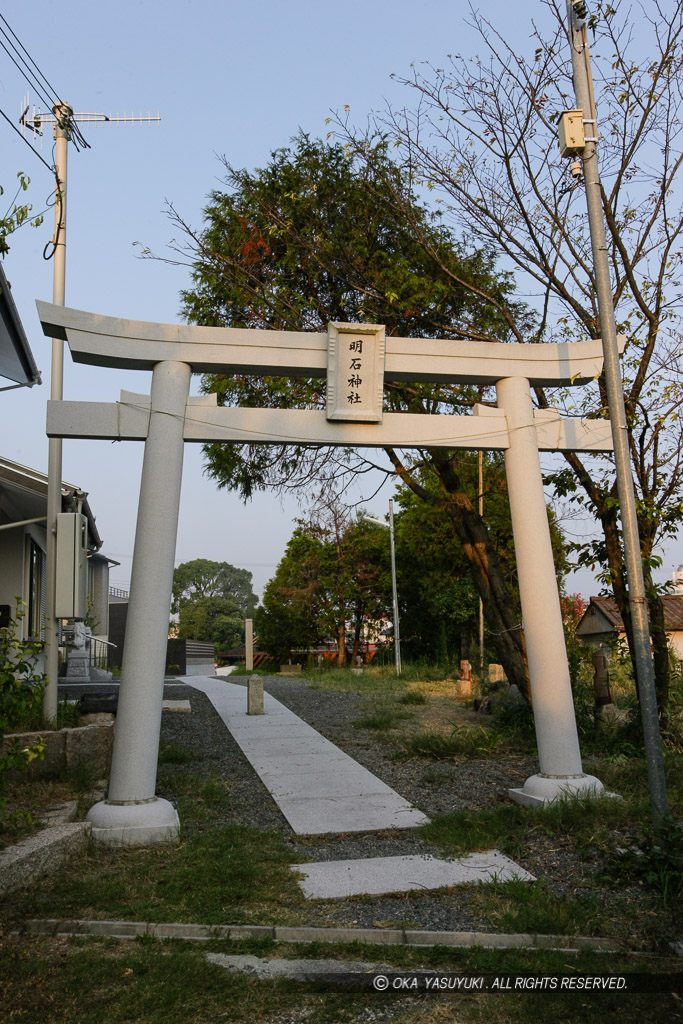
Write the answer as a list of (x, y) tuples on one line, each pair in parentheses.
[(26, 71)]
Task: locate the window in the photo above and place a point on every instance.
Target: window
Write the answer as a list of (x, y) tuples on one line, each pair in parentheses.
[(37, 592)]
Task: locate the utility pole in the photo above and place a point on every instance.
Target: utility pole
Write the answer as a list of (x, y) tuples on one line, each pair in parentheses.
[(481, 603), (63, 119), (585, 102), (62, 114)]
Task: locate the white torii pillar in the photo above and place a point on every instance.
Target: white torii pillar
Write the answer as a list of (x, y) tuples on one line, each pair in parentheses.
[(132, 814), (559, 754)]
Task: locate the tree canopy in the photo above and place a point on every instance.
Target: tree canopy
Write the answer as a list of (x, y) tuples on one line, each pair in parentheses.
[(335, 573), (482, 136), (212, 599), (320, 235)]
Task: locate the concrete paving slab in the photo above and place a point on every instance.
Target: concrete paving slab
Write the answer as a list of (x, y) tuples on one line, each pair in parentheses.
[(277, 764), (300, 970), (176, 705), (318, 787), (377, 875)]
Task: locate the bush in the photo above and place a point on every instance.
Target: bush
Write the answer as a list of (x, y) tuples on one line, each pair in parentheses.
[(21, 694), (21, 685)]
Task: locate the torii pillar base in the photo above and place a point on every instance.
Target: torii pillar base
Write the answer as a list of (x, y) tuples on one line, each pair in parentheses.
[(539, 790), (148, 823)]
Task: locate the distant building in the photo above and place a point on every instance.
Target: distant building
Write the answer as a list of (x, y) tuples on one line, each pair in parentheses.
[(23, 550), (601, 622)]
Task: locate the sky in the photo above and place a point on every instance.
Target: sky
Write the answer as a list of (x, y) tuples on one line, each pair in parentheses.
[(226, 78)]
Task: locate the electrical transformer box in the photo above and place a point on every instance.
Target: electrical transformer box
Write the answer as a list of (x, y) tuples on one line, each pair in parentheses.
[(72, 566), (572, 135)]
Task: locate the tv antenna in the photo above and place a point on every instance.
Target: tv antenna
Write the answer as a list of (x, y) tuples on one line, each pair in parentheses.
[(33, 120)]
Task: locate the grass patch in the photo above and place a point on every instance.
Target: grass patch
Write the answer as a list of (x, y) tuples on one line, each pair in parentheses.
[(463, 741), (589, 822), (174, 753), (654, 860), (468, 831), (90, 981), (412, 697), (381, 721), (530, 908), (223, 874)]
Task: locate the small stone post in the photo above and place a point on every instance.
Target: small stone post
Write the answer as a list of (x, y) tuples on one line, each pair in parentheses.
[(465, 686), (255, 696)]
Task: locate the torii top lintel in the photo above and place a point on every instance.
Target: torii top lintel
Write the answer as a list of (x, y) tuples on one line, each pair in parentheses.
[(138, 344)]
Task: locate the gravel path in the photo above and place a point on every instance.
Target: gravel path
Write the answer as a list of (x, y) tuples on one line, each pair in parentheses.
[(434, 787)]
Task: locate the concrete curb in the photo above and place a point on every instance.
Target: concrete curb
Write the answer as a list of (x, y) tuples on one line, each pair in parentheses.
[(42, 853), (376, 936)]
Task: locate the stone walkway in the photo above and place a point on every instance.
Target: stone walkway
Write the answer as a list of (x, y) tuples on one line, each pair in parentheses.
[(318, 787), (321, 790)]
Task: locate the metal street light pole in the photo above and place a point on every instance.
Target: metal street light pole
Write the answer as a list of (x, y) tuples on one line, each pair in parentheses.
[(397, 633), (615, 399)]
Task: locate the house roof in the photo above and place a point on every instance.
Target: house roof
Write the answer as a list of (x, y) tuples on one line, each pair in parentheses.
[(607, 608), (16, 359), (23, 495)]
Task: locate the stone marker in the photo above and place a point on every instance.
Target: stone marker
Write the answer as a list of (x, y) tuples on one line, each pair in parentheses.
[(497, 673), (603, 694), (255, 696), (464, 685)]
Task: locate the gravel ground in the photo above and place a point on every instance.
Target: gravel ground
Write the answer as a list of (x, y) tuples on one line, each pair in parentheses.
[(432, 786)]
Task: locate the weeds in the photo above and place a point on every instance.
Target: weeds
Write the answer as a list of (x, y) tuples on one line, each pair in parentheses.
[(382, 720), (464, 741), (656, 861), (530, 908), (412, 697), (174, 753)]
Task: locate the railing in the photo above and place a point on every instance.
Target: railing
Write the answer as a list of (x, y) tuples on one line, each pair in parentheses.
[(99, 657), (118, 592)]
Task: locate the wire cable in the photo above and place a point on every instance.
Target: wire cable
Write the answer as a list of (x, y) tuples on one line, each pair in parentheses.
[(50, 88), (22, 72)]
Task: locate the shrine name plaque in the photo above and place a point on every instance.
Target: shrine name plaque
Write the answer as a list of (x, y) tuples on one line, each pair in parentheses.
[(355, 372)]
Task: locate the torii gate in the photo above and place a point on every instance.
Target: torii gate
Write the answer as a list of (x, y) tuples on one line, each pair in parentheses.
[(356, 358)]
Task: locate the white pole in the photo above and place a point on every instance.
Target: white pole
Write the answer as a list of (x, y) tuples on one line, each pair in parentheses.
[(559, 755), (249, 644), (63, 113), (132, 815), (397, 631)]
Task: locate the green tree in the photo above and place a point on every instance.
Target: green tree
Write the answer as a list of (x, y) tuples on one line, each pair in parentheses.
[(482, 136), (316, 236), (440, 606), (334, 576), (212, 599)]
